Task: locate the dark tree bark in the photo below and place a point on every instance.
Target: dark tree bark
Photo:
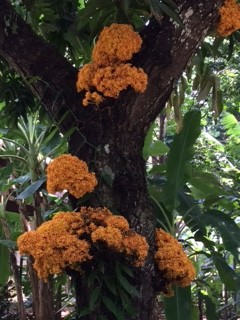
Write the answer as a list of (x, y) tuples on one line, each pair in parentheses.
[(110, 138)]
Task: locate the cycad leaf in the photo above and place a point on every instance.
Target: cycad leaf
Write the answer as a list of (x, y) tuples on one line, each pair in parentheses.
[(181, 152)]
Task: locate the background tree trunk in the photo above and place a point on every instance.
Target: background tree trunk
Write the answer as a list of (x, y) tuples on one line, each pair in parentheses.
[(110, 138)]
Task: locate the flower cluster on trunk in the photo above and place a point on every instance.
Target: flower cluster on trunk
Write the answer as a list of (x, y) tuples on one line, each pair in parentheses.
[(72, 238), (109, 73)]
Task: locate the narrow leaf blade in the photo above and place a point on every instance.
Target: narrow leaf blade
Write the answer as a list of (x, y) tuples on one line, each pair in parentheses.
[(179, 307), (30, 190), (181, 152)]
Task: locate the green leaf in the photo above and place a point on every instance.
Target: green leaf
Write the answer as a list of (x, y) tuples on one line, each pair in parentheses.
[(157, 148), (229, 120), (127, 303), (128, 287), (111, 306), (158, 169), (179, 156), (171, 13), (207, 183), (4, 262), (6, 171), (30, 190), (171, 4), (125, 284), (191, 212), (164, 217), (179, 307), (229, 230), (156, 10), (108, 179), (111, 284), (94, 275), (84, 312), (94, 296), (8, 243), (231, 124), (47, 137), (124, 298), (22, 179), (127, 269), (228, 276), (211, 312)]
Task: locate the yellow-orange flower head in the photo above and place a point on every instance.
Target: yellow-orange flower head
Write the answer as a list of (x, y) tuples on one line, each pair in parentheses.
[(114, 232), (72, 238), (108, 73), (116, 43), (112, 80), (174, 266), (55, 245), (229, 18), (69, 173)]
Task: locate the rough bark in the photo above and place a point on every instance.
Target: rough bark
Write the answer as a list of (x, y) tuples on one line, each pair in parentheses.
[(110, 137), (42, 296)]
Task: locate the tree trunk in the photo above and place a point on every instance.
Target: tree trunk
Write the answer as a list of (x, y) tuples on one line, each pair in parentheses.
[(110, 138), (42, 296)]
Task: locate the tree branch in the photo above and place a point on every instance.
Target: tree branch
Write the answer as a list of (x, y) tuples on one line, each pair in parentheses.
[(166, 51), (31, 56)]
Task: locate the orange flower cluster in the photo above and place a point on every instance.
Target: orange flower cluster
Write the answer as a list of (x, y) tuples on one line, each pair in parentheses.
[(116, 43), (108, 73), (55, 245), (113, 231), (229, 18), (67, 240), (67, 172), (172, 262)]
